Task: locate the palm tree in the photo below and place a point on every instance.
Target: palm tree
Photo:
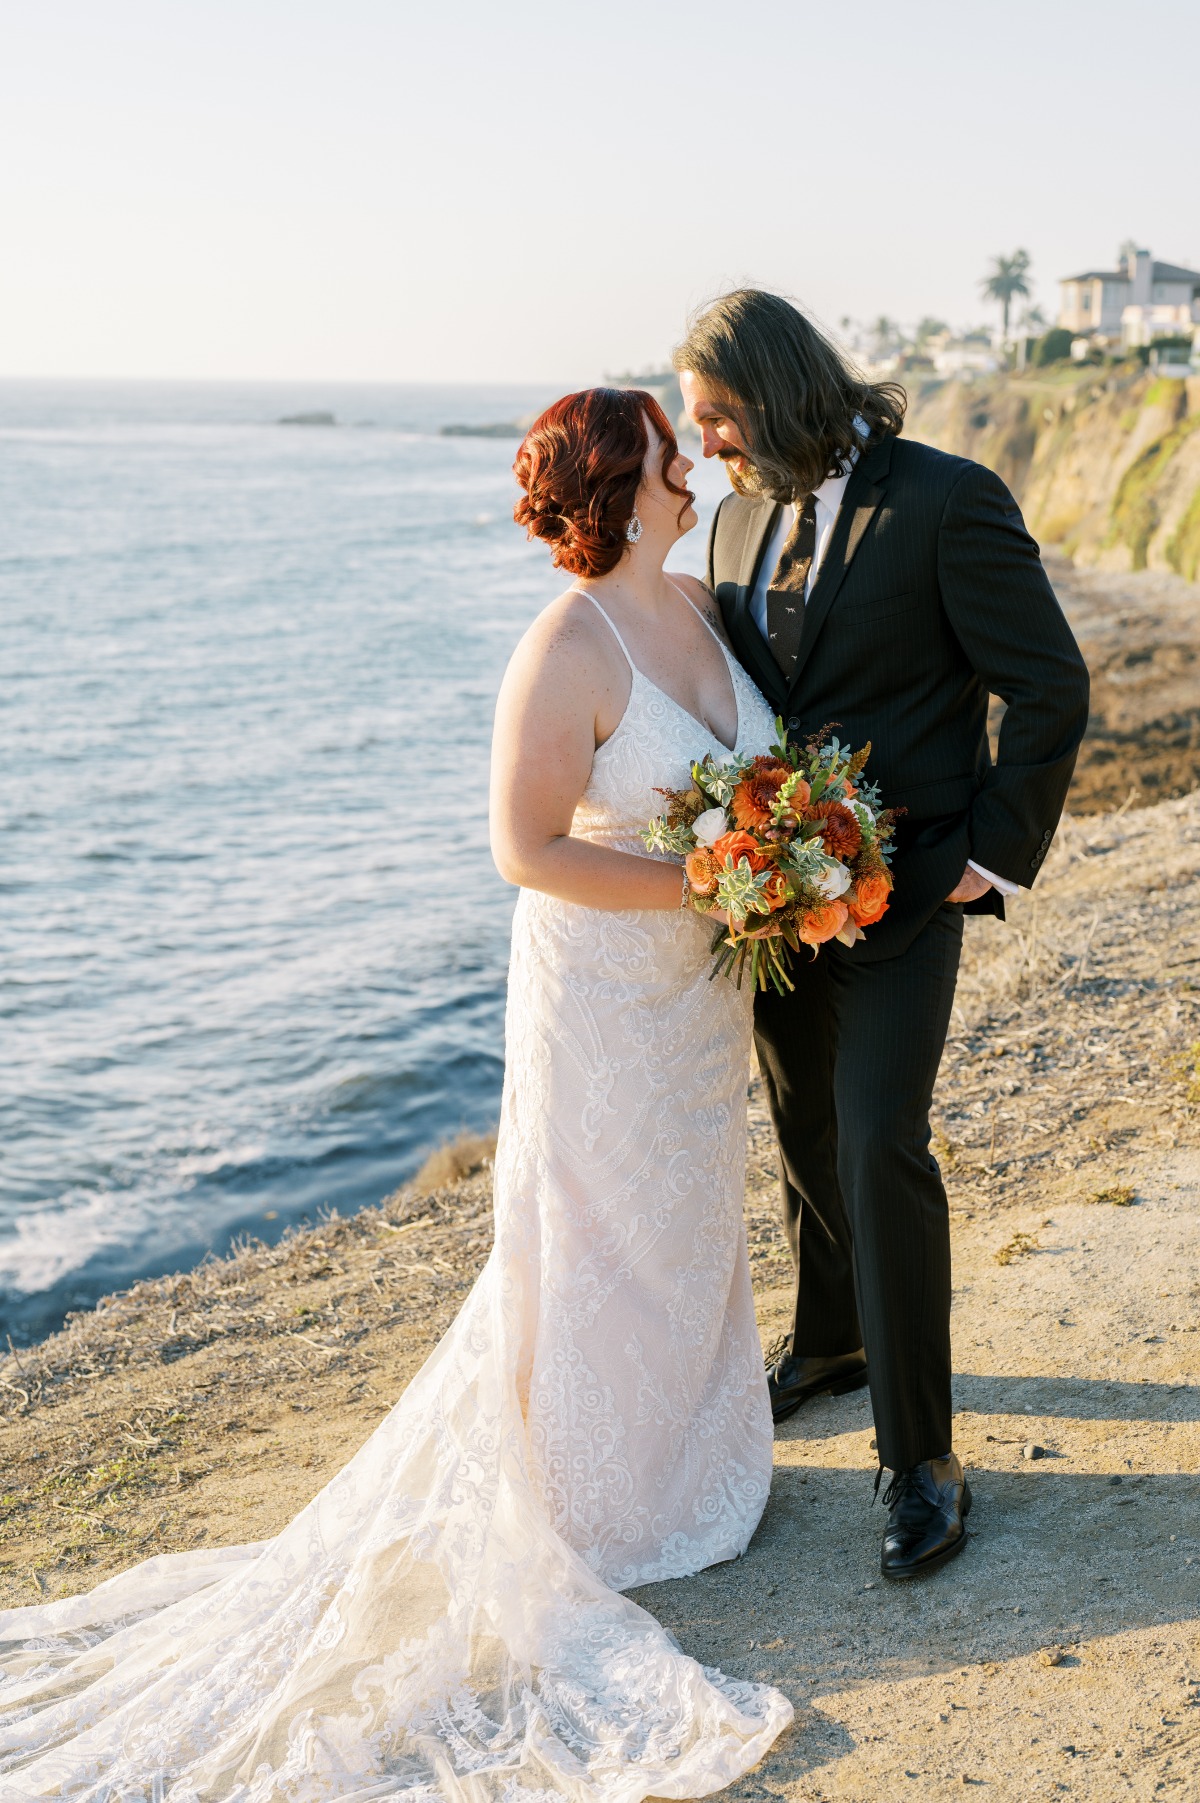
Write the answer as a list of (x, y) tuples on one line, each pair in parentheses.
[(1006, 281), (885, 334)]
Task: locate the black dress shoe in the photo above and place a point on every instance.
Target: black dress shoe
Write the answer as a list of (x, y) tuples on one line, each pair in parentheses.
[(929, 1504), (791, 1381)]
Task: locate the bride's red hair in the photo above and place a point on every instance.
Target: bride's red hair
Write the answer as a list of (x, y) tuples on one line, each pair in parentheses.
[(580, 466)]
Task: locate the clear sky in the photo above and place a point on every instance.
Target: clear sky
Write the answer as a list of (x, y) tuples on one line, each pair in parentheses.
[(467, 190)]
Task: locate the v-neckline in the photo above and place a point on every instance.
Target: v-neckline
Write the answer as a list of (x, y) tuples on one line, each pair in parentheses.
[(636, 670), (701, 725)]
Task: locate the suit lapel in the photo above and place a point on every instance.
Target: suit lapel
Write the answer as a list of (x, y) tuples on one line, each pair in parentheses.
[(748, 641), (864, 492)]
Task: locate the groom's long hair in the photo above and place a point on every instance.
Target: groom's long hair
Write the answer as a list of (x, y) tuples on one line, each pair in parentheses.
[(799, 400)]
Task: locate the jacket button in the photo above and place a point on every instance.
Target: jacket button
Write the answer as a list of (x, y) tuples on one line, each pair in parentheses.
[(793, 724), (1034, 862)]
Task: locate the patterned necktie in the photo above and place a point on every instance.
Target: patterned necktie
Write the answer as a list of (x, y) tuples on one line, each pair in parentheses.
[(785, 597)]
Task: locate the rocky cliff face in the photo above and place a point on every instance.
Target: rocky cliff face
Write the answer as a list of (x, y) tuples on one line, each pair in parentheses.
[(1106, 464)]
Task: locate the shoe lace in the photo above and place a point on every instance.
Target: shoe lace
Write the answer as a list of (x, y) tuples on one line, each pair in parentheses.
[(781, 1344), (902, 1482)]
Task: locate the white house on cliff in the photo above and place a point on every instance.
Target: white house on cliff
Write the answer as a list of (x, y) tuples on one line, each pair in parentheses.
[(1135, 304)]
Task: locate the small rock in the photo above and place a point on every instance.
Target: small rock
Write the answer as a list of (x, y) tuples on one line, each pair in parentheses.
[(1052, 1655), (870, 1584), (1116, 1480), (1031, 1450)]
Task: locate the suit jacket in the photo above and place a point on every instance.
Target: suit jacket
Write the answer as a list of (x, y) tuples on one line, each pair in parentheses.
[(931, 596)]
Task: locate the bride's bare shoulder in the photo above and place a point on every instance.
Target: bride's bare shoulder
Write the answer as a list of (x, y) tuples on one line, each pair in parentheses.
[(702, 597), (568, 642)]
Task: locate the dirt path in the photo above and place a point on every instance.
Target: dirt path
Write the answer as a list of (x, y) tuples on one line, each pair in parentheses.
[(1062, 1652)]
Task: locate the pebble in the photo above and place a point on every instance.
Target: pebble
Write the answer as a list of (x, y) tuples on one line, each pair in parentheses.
[(1031, 1450), (1051, 1655)]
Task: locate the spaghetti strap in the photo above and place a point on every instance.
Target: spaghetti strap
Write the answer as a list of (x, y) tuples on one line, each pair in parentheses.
[(612, 628), (698, 613)]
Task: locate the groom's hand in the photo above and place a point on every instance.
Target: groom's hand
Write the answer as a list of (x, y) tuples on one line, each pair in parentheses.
[(970, 887)]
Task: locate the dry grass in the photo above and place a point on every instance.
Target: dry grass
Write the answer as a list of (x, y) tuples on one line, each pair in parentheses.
[(456, 1160), (1065, 1046), (1118, 1195), (1018, 1247)]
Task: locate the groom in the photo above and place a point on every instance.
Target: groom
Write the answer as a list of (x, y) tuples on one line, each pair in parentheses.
[(879, 584)]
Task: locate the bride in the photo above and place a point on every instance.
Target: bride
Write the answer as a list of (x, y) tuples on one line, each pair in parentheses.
[(446, 1619)]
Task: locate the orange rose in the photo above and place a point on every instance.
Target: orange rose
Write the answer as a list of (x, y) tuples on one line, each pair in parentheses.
[(820, 924), (737, 846), (777, 895), (868, 899), (702, 870)]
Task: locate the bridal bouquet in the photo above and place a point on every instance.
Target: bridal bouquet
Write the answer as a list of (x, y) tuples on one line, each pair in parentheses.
[(793, 846)]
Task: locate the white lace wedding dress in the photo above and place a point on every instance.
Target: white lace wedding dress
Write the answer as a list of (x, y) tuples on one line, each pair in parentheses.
[(444, 1621)]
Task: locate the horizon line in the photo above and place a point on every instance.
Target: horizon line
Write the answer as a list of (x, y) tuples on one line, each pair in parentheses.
[(340, 381)]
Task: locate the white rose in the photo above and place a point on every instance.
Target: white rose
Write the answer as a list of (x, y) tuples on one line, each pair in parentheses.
[(709, 826), (834, 882)]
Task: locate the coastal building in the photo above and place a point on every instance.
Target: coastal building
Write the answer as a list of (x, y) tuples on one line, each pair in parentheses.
[(962, 354), (1140, 301)]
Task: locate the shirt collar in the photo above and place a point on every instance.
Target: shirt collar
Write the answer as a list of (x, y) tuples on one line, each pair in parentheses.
[(832, 491)]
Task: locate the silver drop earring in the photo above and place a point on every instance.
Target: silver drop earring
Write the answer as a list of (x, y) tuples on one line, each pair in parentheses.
[(634, 529)]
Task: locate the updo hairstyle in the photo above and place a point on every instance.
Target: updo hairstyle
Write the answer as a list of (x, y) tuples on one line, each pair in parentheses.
[(580, 466)]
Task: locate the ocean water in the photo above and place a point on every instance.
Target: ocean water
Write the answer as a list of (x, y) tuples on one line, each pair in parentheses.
[(253, 946)]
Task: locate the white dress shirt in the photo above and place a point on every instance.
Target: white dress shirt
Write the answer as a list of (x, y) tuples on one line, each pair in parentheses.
[(829, 499), (829, 504)]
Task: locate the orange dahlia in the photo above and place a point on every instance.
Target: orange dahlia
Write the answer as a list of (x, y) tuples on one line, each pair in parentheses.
[(839, 829), (753, 798)]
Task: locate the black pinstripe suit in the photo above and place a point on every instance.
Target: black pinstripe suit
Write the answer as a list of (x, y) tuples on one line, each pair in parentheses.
[(931, 596)]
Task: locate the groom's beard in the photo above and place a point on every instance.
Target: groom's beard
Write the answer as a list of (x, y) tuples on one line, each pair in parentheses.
[(753, 481)]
